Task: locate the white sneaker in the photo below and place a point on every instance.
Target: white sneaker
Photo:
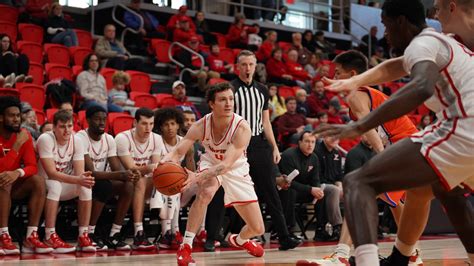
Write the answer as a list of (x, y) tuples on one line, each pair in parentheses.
[(333, 259), (415, 259)]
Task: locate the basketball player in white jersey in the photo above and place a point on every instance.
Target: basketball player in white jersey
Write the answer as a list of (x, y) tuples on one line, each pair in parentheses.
[(140, 149), (441, 155), (225, 137), (62, 165), (168, 122), (110, 180)]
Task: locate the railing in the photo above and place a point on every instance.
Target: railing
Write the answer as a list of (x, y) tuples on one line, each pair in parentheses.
[(119, 22), (185, 69)]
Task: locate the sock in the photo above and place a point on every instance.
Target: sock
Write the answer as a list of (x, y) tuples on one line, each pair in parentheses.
[(4, 230), (404, 249), (470, 256), (91, 229), (165, 226), (30, 230), (343, 250), (240, 241), (115, 229), (367, 255), (83, 229), (175, 222), (188, 238), (138, 227), (48, 232)]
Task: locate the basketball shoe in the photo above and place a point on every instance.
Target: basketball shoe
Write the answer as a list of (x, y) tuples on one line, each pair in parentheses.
[(141, 242), (415, 259), (252, 248), (333, 259), (58, 244), (85, 244), (184, 256), (33, 244), (7, 245)]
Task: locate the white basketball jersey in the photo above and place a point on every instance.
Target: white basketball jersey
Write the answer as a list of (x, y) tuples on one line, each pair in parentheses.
[(454, 91), (140, 152), (99, 151), (62, 155), (168, 148), (215, 149)]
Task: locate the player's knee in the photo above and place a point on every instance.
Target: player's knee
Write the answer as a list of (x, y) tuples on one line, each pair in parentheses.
[(205, 196), (85, 194), (102, 191), (38, 185), (259, 229), (127, 189), (54, 189)]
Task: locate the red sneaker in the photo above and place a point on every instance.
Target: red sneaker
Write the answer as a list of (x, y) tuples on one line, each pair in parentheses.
[(59, 245), (7, 245), (2, 253), (201, 237), (252, 248), (184, 256), (85, 244), (33, 244), (178, 238)]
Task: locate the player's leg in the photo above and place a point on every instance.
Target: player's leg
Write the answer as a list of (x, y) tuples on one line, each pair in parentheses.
[(387, 171), (84, 207), (142, 190), (102, 191), (166, 215), (6, 245), (124, 190), (332, 196), (252, 216)]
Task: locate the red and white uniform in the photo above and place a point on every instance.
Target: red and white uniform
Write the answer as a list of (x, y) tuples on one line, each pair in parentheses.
[(141, 153), (237, 184), (63, 156), (99, 151), (447, 145)]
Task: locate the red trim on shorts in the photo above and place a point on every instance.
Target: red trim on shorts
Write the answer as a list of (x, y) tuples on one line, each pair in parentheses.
[(456, 91), (240, 202), (438, 173), (435, 126)]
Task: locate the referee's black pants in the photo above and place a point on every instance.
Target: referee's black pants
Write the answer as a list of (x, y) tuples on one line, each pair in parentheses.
[(260, 158)]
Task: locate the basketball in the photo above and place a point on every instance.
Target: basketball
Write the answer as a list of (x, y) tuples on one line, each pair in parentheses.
[(168, 178)]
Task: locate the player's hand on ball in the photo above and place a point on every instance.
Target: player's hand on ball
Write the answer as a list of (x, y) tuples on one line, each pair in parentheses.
[(86, 179), (192, 177)]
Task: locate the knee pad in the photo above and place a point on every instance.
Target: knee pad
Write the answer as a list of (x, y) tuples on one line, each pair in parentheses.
[(54, 188), (102, 191), (85, 194)]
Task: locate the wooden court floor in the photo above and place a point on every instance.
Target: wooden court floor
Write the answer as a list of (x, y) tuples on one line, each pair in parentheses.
[(443, 251)]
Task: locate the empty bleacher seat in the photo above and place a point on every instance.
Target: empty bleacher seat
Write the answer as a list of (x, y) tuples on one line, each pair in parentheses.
[(85, 38), (31, 32), (143, 99), (33, 94), (32, 50), (57, 54), (54, 71)]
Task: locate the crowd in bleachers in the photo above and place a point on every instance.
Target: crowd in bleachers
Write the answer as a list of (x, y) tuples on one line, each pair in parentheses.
[(57, 67)]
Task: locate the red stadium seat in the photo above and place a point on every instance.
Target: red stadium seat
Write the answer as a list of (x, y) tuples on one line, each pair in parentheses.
[(228, 55), (81, 116), (215, 81), (205, 48), (159, 98), (40, 117), (32, 50), (37, 72), (108, 73), (9, 92), (33, 94), (54, 71), (50, 114), (161, 48), (119, 122), (85, 38), (9, 14), (78, 54), (142, 99), (57, 54), (76, 70), (286, 91), (139, 81), (9, 29), (31, 32)]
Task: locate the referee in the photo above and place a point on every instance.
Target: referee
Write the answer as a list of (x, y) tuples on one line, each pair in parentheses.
[(251, 102)]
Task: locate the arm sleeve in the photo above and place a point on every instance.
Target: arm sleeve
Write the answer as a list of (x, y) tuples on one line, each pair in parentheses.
[(29, 159), (123, 145), (426, 48), (78, 150), (45, 146)]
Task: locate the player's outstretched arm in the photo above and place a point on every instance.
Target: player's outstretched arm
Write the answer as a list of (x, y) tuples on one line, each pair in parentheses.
[(389, 70), (194, 134), (236, 149)]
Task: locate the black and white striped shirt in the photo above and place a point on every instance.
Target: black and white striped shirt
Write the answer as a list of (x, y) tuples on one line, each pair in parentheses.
[(250, 102)]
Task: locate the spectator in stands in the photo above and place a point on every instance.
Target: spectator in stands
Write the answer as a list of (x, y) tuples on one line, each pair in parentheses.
[(13, 66), (217, 63), (295, 69), (304, 55), (277, 69), (237, 36), (301, 105), (282, 14), (189, 119), (330, 175), (149, 29), (276, 103), (118, 95), (318, 100), (306, 187), (255, 41), (322, 119), (29, 120), (184, 32), (173, 22), (113, 54), (192, 61), (424, 122), (91, 85), (373, 41), (178, 97), (46, 127), (202, 28), (334, 116), (323, 72), (58, 29), (265, 51), (378, 57), (291, 124), (314, 64), (326, 47), (308, 41)]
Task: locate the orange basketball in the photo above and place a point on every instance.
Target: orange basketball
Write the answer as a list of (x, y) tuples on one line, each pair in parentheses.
[(168, 178)]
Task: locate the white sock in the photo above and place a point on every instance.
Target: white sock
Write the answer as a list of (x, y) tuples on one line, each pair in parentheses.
[(115, 229), (367, 255), (48, 232), (471, 257), (406, 250), (343, 250), (91, 229), (138, 227), (83, 229), (4, 230), (30, 230), (165, 226), (188, 238), (240, 241)]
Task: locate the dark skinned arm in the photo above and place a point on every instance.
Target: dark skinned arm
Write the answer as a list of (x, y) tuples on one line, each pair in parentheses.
[(116, 173)]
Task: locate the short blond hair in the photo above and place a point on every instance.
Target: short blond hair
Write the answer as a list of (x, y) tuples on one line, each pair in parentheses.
[(120, 77)]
